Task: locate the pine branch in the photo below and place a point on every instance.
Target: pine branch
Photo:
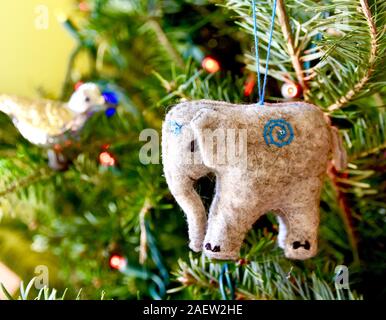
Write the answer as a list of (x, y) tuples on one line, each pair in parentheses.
[(196, 84), (268, 278), (367, 135), (70, 65), (143, 238), (337, 51), (358, 87), (165, 43), (368, 152), (38, 176), (292, 51)]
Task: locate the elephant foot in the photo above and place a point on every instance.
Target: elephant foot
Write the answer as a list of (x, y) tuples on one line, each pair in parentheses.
[(300, 250), (195, 246), (208, 246), (215, 252)]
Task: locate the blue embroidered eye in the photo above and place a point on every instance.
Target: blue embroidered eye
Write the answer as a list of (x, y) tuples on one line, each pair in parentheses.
[(175, 127), (278, 132)]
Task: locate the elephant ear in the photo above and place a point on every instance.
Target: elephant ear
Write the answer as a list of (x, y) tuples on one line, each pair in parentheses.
[(204, 125)]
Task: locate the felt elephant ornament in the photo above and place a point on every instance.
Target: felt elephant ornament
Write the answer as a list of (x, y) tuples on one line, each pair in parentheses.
[(270, 158)]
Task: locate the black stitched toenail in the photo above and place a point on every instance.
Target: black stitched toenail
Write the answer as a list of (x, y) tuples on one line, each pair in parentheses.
[(216, 249), (297, 245), (208, 246)]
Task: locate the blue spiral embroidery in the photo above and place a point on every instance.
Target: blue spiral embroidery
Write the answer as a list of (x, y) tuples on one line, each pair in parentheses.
[(278, 132), (175, 127)]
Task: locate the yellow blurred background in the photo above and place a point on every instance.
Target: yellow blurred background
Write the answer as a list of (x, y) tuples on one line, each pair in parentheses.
[(34, 45)]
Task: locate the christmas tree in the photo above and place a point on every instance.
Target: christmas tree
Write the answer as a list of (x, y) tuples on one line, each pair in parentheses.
[(108, 227)]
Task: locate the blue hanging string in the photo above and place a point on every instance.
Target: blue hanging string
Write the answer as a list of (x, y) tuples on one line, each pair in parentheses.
[(229, 284), (257, 57), (261, 90)]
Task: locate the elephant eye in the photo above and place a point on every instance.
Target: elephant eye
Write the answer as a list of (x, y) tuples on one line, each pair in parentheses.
[(193, 146)]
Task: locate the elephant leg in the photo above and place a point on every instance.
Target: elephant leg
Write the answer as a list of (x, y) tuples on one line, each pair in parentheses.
[(191, 203), (224, 238), (300, 214), (227, 227), (302, 235)]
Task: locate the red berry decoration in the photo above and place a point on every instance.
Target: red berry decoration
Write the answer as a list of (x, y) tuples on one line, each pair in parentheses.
[(106, 159)]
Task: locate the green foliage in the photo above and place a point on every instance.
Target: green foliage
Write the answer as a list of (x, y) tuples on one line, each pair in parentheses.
[(333, 40), (195, 84), (16, 251), (262, 279), (26, 293), (149, 52)]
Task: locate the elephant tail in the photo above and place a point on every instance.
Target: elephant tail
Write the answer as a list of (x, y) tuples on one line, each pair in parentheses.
[(339, 154)]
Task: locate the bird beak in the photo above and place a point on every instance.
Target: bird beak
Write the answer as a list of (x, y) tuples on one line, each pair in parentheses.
[(102, 101), (99, 105)]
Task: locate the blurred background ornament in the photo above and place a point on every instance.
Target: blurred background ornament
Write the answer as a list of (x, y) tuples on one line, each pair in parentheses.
[(84, 6), (250, 84), (291, 90), (210, 65), (110, 97), (117, 262), (106, 159), (47, 123), (112, 101), (44, 122), (108, 162)]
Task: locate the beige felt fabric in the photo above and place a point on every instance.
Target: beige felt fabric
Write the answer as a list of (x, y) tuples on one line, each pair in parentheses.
[(252, 177)]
